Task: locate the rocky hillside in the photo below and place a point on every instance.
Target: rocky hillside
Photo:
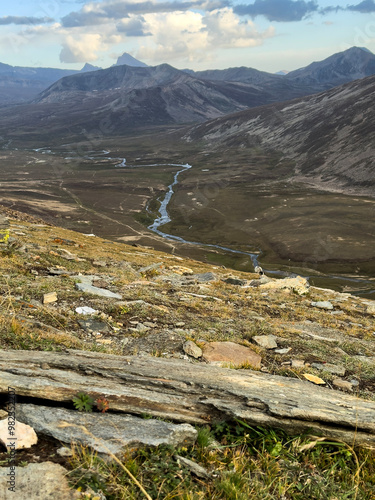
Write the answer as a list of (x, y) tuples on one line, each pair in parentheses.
[(98, 313), (328, 135), (340, 68)]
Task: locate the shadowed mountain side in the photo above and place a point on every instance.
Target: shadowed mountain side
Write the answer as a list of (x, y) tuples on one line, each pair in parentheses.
[(329, 136), (126, 97)]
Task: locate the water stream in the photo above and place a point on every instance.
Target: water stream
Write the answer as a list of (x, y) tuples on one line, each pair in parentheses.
[(365, 286), (361, 285)]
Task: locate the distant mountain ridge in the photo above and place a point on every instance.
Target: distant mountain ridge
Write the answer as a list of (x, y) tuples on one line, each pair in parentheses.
[(19, 84), (353, 64)]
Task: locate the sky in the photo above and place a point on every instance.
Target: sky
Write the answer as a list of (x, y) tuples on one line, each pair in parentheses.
[(269, 35)]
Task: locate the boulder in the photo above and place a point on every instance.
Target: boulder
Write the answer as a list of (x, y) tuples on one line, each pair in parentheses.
[(45, 481), (299, 285), (224, 353), (23, 436)]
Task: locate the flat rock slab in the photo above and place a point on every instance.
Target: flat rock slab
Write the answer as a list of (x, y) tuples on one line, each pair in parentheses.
[(105, 433), (45, 481), (100, 292), (222, 353), (86, 286), (189, 392)]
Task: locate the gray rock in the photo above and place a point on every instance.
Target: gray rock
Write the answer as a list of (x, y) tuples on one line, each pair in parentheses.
[(101, 292), (283, 351), (196, 469), (106, 433), (192, 349), (322, 305), (266, 341), (328, 367), (94, 325), (205, 277), (99, 263), (235, 281), (45, 481), (153, 267), (64, 452)]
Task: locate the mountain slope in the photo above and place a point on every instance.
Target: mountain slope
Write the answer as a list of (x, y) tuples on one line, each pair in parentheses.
[(19, 84), (329, 136), (127, 97), (352, 64)]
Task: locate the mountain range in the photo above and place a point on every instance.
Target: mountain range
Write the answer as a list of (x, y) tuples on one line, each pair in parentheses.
[(128, 97), (22, 84)]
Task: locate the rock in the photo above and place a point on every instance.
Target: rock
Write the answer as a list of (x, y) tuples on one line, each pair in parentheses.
[(86, 310), (222, 353), (299, 285), (153, 267), (328, 367), (190, 392), (23, 435), (283, 351), (235, 281), (180, 324), (342, 384), (3, 414), (94, 326), (181, 270), (196, 469), (191, 349), (48, 298), (64, 452), (314, 379), (298, 363), (101, 292), (322, 305), (106, 433), (37, 482), (370, 308), (99, 263), (266, 341), (58, 271), (205, 277)]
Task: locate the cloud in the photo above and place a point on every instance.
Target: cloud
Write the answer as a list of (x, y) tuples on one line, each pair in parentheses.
[(25, 20), (278, 10), (365, 7), (134, 26), (98, 13), (77, 49), (194, 36)]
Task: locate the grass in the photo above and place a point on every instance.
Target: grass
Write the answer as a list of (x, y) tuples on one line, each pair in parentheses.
[(242, 462)]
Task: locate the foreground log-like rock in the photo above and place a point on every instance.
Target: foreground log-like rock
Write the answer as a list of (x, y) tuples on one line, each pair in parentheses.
[(187, 392)]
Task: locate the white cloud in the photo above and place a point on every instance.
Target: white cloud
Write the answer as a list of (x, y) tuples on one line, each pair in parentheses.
[(193, 36), (81, 48)]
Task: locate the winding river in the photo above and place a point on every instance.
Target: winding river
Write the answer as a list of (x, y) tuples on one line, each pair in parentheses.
[(360, 286), (365, 286)]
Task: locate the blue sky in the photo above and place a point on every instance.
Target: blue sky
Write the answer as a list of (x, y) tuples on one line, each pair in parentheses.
[(269, 35)]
